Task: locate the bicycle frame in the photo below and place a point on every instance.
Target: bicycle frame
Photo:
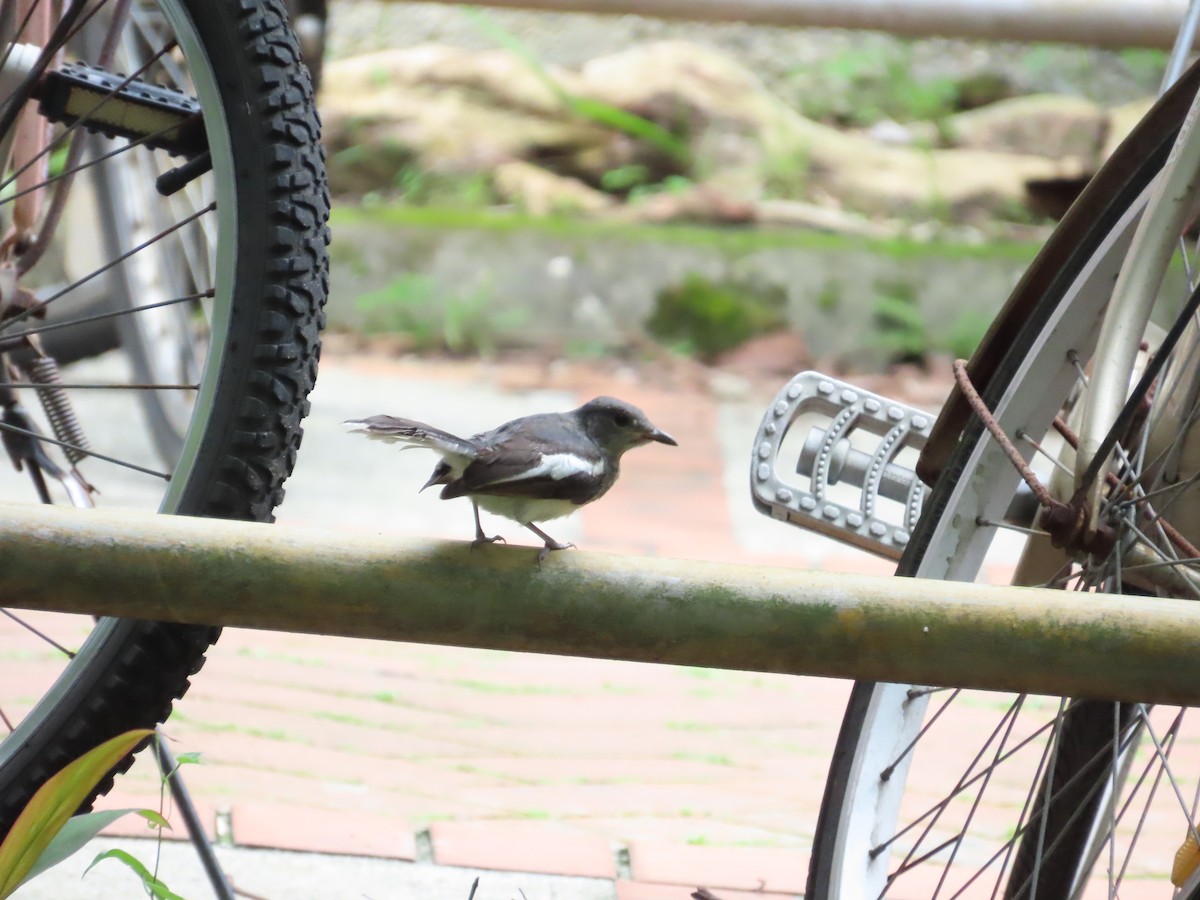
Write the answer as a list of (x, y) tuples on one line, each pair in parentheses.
[(1170, 208), (28, 140)]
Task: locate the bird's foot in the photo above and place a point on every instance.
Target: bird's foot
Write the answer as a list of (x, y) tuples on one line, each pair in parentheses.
[(549, 548), (481, 538)]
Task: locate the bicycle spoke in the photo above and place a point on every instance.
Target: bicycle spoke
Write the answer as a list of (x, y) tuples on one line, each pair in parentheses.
[(102, 387), (1164, 758), (1056, 744), (42, 304), (46, 439), (1040, 449), (20, 33), (1008, 526), (1149, 798), (887, 770), (70, 171), (42, 635), (1022, 820), (71, 22), (962, 832), (74, 128), (880, 847), (114, 314), (914, 693), (1114, 789)]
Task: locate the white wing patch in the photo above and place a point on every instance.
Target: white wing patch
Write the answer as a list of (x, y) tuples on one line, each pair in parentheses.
[(558, 466)]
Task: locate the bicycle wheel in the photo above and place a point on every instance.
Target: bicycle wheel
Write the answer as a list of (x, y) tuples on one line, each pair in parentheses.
[(244, 253), (936, 792)]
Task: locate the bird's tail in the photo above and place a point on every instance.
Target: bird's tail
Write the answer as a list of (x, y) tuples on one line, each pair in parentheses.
[(412, 434)]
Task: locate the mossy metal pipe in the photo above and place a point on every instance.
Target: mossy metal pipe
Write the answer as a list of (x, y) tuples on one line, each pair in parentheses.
[(588, 604)]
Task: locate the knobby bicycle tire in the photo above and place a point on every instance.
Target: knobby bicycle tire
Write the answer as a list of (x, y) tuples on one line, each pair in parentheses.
[(243, 443)]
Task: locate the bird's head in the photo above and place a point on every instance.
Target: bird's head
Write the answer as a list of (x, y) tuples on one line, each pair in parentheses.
[(619, 426)]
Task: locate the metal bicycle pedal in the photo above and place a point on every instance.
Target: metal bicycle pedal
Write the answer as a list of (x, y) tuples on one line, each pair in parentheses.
[(847, 464)]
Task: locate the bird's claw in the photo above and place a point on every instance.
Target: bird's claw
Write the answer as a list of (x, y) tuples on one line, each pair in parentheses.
[(482, 538), (549, 548)]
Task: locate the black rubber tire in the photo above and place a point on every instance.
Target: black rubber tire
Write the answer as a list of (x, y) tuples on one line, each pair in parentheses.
[(1082, 767), (1120, 182), (128, 672)]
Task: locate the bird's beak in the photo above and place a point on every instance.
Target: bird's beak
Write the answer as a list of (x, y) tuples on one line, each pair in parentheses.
[(662, 437)]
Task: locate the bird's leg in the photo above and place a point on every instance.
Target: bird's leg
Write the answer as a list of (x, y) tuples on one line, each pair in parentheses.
[(480, 537), (551, 543)]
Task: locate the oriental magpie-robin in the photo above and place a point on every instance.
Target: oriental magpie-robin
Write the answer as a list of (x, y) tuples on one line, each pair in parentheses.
[(531, 469)]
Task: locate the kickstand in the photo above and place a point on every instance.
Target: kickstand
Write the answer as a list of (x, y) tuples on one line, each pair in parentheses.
[(169, 767)]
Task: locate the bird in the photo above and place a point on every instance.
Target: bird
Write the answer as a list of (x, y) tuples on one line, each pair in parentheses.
[(532, 469)]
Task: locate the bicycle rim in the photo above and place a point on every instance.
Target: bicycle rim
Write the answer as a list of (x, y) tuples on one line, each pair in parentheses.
[(253, 283), (936, 792)]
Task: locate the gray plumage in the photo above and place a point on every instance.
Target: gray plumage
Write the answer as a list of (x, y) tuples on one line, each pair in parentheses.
[(531, 469)]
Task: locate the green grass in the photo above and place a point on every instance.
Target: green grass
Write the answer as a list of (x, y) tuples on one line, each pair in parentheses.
[(732, 241)]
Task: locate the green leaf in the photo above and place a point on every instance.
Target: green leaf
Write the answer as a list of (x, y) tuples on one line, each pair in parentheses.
[(78, 831), (191, 758), (54, 803), (153, 816), (152, 884)]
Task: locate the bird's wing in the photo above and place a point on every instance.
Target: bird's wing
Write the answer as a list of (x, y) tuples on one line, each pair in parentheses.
[(413, 434), (517, 465)]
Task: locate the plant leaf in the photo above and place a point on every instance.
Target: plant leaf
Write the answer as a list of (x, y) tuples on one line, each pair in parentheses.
[(78, 831), (54, 803), (154, 817), (149, 880)]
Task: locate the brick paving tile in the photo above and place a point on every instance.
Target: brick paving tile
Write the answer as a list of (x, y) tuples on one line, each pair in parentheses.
[(786, 832), (547, 770), (749, 868), (286, 827), (387, 711), (616, 799), (198, 722), (522, 847), (351, 767), (134, 826), (677, 740), (723, 707), (639, 890)]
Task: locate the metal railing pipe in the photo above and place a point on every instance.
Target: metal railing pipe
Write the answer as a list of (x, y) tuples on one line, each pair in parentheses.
[(1100, 23), (589, 604)]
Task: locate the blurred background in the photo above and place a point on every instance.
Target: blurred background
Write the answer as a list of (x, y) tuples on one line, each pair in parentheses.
[(590, 186)]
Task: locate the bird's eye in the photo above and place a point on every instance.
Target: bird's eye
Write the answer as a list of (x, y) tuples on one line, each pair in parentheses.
[(622, 419)]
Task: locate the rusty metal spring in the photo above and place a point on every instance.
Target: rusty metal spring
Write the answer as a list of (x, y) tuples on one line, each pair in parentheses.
[(56, 403)]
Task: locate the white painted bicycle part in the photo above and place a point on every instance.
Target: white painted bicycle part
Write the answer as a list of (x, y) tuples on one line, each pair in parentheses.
[(850, 461), (1173, 444), (18, 64), (32, 137), (1172, 201)]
